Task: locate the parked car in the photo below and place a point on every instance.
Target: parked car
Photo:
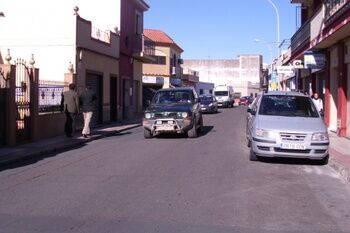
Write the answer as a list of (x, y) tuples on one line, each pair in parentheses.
[(173, 110), (246, 100), (286, 124), (208, 104)]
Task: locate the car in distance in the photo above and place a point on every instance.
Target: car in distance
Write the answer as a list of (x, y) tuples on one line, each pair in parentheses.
[(246, 100), (209, 104), (173, 110), (286, 124), (224, 95)]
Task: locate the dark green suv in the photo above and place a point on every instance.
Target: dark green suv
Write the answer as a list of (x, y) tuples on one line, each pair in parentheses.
[(173, 110)]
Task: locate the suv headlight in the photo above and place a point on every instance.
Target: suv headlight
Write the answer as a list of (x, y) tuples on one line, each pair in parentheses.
[(266, 134), (320, 136), (184, 114), (149, 115)]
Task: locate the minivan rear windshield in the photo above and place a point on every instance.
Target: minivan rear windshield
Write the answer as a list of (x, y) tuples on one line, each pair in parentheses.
[(283, 105), (221, 93)]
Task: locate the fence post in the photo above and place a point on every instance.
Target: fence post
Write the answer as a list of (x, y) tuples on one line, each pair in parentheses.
[(34, 102), (11, 112)]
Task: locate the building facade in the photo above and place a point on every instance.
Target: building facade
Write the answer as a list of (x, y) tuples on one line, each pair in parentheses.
[(322, 45), (106, 53), (132, 56), (165, 68), (244, 73)]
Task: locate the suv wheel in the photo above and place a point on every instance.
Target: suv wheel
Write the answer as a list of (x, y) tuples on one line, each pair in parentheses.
[(147, 134), (192, 133), (252, 155), (200, 128)]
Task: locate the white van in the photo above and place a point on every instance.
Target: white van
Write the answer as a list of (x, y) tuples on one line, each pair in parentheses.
[(224, 95)]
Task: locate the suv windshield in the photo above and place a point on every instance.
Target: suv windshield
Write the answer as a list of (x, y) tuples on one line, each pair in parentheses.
[(221, 93), (171, 97), (283, 105)]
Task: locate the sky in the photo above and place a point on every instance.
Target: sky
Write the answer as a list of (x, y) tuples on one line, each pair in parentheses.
[(223, 29)]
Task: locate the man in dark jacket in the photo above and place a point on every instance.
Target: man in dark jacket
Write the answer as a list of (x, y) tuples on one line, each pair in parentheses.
[(70, 106), (88, 102)]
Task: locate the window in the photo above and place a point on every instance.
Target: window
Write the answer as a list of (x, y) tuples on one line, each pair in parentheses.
[(159, 60), (201, 91), (138, 23)]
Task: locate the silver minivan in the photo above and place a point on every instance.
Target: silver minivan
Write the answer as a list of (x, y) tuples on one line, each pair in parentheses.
[(286, 124)]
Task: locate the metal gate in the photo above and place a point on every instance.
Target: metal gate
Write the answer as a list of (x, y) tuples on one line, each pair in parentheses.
[(3, 107), (22, 100)]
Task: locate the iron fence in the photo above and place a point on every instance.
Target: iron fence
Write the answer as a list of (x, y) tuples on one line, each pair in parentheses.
[(50, 95)]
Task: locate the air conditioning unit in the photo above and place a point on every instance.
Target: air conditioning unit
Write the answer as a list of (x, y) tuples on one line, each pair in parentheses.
[(173, 70), (180, 61)]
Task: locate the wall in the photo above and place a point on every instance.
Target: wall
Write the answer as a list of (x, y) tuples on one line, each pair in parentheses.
[(51, 125), (108, 66), (235, 72)]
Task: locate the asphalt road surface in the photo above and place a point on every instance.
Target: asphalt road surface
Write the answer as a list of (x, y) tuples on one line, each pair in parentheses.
[(172, 184)]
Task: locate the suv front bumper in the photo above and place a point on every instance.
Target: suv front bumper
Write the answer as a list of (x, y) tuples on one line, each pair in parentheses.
[(168, 125)]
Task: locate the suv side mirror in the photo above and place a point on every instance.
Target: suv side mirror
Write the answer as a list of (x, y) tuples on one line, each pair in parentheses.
[(251, 111)]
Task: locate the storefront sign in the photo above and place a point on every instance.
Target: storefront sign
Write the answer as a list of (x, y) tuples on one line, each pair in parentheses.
[(153, 80), (298, 64), (285, 70), (175, 81), (314, 60)]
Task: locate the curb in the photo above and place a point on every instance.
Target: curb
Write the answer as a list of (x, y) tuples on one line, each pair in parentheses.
[(62, 147), (340, 169)]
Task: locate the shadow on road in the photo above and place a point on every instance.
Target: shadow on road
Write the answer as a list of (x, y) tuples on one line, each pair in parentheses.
[(65, 146), (291, 161), (206, 130)]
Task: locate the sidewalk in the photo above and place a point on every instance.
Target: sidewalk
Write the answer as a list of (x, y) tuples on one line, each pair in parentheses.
[(339, 155), (9, 155)]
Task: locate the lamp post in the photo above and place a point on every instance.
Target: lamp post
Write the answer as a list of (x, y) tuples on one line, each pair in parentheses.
[(278, 25), (268, 45)]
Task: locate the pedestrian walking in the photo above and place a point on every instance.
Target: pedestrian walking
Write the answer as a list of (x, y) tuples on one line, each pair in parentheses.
[(318, 102), (70, 106), (88, 102)]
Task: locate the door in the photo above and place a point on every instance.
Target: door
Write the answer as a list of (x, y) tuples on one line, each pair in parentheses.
[(95, 82), (113, 98), (126, 98)]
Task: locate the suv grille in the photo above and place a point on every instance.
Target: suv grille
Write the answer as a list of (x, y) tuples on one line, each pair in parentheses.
[(293, 137), (166, 115)]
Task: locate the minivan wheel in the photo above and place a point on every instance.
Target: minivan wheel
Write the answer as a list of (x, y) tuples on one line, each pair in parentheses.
[(192, 133), (252, 155), (147, 134), (249, 143), (324, 161)]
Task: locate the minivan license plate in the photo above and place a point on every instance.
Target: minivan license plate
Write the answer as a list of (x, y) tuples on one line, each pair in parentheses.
[(293, 146)]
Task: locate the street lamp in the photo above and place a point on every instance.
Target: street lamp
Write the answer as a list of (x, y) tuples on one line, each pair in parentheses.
[(278, 25), (268, 45)]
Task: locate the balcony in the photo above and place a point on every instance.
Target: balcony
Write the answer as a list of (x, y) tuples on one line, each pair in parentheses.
[(144, 48), (334, 9), (301, 38)]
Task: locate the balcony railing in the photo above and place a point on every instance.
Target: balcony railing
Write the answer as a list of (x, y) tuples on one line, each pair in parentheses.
[(301, 37), (333, 9), (144, 44), (100, 35)]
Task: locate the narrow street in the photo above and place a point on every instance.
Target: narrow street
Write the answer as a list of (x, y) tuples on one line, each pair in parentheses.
[(173, 184)]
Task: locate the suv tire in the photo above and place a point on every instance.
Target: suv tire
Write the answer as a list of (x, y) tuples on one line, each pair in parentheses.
[(147, 134), (192, 133)]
